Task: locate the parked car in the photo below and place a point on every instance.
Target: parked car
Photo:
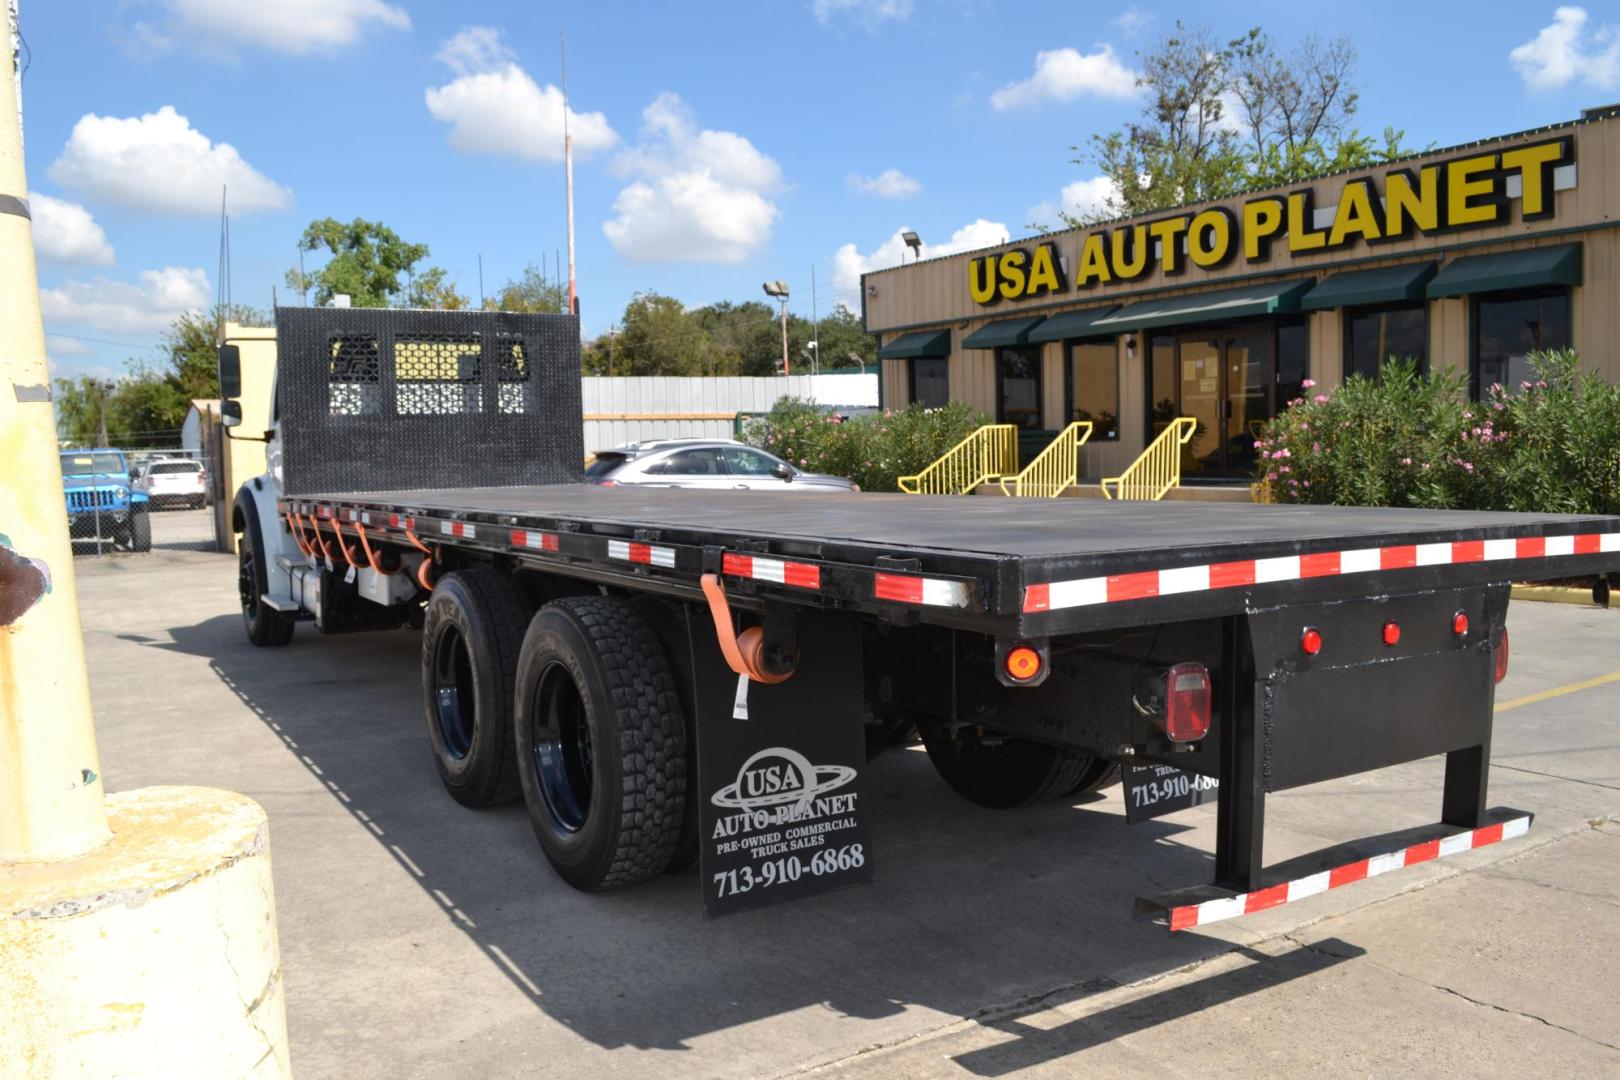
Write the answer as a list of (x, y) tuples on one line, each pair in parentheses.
[(102, 504), (708, 465), (174, 482)]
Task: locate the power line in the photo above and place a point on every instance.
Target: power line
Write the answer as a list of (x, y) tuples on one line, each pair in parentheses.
[(105, 341)]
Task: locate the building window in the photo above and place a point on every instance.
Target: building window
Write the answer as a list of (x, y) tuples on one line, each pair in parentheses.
[(1293, 362), (930, 381), (1093, 384), (1018, 386), (1374, 335), (1508, 327)]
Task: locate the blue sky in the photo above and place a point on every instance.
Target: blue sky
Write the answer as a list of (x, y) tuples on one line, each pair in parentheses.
[(717, 145)]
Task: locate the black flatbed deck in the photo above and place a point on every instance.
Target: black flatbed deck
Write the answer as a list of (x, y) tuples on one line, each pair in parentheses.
[(1040, 566)]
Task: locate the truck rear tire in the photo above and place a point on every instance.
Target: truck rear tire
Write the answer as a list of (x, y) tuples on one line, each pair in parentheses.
[(471, 633), (601, 743), (1002, 772), (265, 626)]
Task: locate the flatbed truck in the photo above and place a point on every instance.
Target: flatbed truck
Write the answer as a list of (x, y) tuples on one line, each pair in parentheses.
[(671, 677)]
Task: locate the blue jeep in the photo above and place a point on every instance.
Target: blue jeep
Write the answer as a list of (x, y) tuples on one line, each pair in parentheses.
[(102, 505)]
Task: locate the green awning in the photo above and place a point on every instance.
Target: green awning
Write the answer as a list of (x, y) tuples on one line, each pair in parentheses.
[(1385, 285), (1071, 324), (1006, 332), (1525, 269), (918, 344), (1271, 298)]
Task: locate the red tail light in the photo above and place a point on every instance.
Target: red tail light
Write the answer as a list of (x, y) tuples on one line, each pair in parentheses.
[(1459, 624), (1502, 655), (1311, 641), (1187, 700), (1392, 633)]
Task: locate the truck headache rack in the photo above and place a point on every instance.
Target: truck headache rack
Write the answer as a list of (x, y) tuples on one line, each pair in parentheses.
[(381, 399)]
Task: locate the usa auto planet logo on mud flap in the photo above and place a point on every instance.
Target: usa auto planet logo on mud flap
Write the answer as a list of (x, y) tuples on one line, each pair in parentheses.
[(788, 817)]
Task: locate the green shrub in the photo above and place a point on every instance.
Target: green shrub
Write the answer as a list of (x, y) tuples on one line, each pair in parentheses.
[(871, 450), (1551, 445)]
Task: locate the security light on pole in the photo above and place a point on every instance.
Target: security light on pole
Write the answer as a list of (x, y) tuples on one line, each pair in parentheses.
[(914, 242), (779, 289)]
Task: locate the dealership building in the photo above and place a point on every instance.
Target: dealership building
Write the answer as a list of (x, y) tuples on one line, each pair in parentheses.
[(1470, 257)]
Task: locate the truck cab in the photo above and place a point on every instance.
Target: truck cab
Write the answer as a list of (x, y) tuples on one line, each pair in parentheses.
[(102, 503)]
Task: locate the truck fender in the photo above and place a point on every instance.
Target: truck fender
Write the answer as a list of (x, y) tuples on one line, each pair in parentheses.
[(260, 506)]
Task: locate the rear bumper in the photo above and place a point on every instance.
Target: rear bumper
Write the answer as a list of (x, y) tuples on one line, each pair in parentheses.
[(1333, 868)]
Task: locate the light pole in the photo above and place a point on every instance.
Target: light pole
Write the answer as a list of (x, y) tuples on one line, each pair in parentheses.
[(779, 289)]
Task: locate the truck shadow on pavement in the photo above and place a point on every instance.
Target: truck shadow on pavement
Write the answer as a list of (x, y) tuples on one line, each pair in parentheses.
[(974, 914)]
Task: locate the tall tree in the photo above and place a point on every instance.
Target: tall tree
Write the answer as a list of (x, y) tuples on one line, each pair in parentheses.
[(657, 336), (192, 344), (364, 261), (530, 291), (429, 289), (1218, 120)]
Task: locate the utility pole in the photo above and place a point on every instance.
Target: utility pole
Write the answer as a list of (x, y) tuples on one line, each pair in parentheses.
[(102, 387), (568, 166), (134, 957), (815, 323)]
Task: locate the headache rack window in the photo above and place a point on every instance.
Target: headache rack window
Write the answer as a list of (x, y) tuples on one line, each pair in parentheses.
[(380, 399), (437, 374), (354, 375)]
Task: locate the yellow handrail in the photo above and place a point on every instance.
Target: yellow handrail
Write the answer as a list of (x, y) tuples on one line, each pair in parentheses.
[(1158, 469), (1053, 469), (988, 453)]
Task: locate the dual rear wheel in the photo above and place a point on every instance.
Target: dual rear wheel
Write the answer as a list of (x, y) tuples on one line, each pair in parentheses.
[(575, 708)]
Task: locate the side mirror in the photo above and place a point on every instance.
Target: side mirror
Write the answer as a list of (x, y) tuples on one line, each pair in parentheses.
[(230, 373), (230, 413), (782, 471)]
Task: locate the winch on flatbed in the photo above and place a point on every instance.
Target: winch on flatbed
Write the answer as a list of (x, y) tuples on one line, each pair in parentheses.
[(580, 643)]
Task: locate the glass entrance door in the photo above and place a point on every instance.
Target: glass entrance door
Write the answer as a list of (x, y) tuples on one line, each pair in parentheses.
[(1224, 379)]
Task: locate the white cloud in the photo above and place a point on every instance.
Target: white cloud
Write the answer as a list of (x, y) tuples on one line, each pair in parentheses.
[(1565, 51), (1133, 20), (697, 195), (869, 13), (288, 26), (64, 232), (160, 163), (56, 345), (494, 107), (888, 184), (1085, 199), (144, 306), (849, 264), (1066, 74)]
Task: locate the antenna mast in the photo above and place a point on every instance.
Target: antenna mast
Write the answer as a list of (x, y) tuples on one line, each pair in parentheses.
[(568, 165)]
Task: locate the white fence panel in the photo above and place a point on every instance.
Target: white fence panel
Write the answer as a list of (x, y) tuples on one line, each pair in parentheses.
[(621, 409)]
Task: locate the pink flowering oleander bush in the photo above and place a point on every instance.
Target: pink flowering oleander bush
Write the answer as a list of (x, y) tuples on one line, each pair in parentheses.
[(872, 450), (1551, 444)]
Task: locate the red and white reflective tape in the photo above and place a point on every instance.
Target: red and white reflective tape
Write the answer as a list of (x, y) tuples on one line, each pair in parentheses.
[(323, 511), (1189, 916), (534, 540), (402, 521), (648, 554), (466, 530), (782, 572), (1112, 588), (933, 592)]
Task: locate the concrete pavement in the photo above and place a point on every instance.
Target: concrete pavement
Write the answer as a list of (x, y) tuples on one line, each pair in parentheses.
[(423, 939)]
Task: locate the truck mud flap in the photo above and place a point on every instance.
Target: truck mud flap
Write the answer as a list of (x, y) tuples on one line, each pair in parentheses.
[(1331, 868), (781, 796)]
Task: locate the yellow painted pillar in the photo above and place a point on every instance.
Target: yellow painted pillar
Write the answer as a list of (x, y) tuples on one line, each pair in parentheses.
[(137, 931)]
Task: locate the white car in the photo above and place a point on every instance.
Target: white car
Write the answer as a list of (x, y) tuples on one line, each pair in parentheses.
[(705, 464), (174, 482)]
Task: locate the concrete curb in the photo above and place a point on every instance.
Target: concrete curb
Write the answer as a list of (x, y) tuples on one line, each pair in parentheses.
[(1554, 594)]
